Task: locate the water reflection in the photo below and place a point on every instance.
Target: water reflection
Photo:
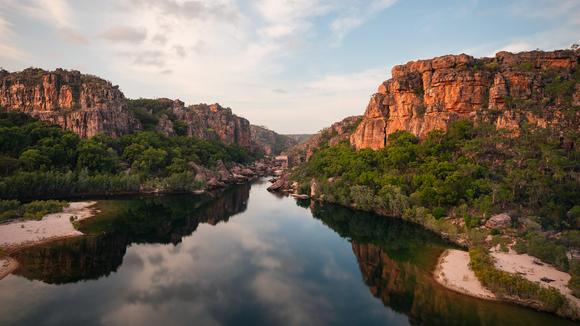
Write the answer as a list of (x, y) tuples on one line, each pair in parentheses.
[(161, 220), (169, 260)]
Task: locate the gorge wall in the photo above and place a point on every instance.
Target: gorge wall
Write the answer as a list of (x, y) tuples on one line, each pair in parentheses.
[(88, 105), (269, 142), (214, 122), (507, 90), (83, 104)]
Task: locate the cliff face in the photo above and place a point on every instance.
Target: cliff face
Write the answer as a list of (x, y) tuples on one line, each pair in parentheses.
[(507, 90), (83, 104), (336, 133), (210, 122), (269, 142)]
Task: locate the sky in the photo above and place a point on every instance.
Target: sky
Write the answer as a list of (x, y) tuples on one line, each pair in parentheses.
[(294, 66)]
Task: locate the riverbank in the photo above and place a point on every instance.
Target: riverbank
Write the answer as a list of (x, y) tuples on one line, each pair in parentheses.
[(454, 273), (453, 270), (538, 272), (55, 226)]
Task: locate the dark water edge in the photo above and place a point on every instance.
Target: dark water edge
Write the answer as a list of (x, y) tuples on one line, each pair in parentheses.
[(244, 257)]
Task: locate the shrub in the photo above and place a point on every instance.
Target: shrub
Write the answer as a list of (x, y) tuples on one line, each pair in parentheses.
[(439, 212), (304, 188), (37, 209)]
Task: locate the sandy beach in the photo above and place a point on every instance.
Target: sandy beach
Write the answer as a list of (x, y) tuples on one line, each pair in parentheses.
[(50, 227), (454, 273), (524, 265)]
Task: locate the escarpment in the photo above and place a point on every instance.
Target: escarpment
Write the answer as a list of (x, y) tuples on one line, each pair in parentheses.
[(509, 90), (83, 104), (203, 121), (214, 122), (270, 142), (88, 105)]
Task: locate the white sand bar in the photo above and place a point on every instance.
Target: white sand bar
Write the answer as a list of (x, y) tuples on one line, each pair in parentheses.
[(52, 226), (524, 265), (453, 272)]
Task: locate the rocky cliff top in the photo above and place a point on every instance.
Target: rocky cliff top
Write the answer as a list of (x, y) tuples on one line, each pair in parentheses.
[(204, 121), (84, 104), (507, 90)]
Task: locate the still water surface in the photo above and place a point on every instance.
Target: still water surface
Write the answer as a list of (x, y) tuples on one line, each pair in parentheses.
[(247, 257)]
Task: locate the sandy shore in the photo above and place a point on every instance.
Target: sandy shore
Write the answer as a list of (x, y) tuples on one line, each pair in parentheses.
[(52, 226), (454, 273), (524, 265)]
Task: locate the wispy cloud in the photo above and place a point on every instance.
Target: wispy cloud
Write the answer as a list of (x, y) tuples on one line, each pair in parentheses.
[(123, 33), (55, 12), (7, 50), (356, 15)]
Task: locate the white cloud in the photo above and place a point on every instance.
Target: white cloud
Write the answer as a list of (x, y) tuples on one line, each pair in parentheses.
[(55, 12), (357, 14)]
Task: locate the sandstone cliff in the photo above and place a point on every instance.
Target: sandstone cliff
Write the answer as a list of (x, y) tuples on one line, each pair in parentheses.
[(336, 133), (269, 142), (214, 122), (210, 122), (84, 104), (508, 91)]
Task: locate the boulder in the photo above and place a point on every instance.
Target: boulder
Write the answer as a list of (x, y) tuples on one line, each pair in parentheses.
[(279, 185), (499, 221), (313, 188), (222, 172)]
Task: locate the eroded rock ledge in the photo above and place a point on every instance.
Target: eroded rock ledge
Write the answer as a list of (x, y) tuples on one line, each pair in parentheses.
[(507, 90)]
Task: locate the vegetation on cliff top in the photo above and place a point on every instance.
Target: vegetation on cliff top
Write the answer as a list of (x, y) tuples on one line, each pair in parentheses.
[(39, 160)]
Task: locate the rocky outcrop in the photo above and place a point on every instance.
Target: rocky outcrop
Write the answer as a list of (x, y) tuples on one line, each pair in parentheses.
[(269, 142), (214, 122), (336, 133), (83, 104), (499, 221), (507, 91), (203, 121)]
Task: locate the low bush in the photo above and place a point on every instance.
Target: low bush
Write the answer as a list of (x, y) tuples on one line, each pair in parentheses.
[(13, 209)]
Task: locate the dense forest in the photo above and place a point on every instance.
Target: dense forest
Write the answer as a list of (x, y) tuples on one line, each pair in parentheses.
[(42, 160)]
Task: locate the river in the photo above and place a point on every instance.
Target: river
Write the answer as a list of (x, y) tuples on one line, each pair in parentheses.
[(247, 257)]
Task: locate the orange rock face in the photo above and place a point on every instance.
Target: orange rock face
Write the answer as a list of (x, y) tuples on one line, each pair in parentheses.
[(214, 122), (84, 104), (426, 95)]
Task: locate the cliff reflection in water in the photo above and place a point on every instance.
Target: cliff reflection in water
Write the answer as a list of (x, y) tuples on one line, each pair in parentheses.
[(164, 219), (396, 260)]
